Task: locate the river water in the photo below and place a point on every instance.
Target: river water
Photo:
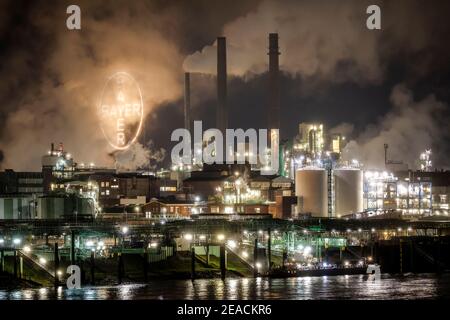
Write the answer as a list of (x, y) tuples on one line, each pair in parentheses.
[(410, 286)]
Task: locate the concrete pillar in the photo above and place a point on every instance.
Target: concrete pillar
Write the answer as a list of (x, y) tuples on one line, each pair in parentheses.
[(120, 268), (2, 260), (146, 264), (15, 264), (222, 262), (192, 263), (56, 264), (92, 267), (72, 247), (255, 258), (269, 248), (20, 267)]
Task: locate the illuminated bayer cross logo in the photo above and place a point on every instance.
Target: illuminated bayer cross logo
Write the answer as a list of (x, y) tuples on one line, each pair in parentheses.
[(121, 110)]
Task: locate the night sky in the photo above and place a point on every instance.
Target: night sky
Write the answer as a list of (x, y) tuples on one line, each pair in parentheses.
[(375, 86)]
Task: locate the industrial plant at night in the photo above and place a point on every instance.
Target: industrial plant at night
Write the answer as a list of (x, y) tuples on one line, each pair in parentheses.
[(335, 205)]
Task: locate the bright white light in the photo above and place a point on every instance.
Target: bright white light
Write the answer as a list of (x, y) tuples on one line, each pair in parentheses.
[(153, 244), (349, 230), (260, 232), (42, 261), (188, 237), (359, 230), (89, 243), (59, 273), (307, 250), (197, 198), (2, 241), (220, 237), (232, 244), (409, 229), (101, 244), (258, 265), (300, 247), (399, 229), (373, 230), (17, 241), (325, 264), (360, 262), (346, 263), (124, 229), (202, 237), (245, 254), (26, 249)]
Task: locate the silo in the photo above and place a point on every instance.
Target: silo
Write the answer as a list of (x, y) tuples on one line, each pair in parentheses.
[(311, 189), (348, 191)]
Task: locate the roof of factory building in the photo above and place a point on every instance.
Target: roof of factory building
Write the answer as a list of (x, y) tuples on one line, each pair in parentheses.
[(205, 178), (171, 200), (438, 178)]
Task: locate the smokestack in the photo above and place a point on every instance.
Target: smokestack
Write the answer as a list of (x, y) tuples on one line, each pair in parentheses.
[(274, 83), (187, 101), (222, 112)]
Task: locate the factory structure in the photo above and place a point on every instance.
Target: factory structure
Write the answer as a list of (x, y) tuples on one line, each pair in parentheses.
[(312, 179)]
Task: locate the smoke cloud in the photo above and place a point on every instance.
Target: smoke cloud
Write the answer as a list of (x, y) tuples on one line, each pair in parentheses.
[(60, 102), (323, 41), (139, 156), (409, 128)]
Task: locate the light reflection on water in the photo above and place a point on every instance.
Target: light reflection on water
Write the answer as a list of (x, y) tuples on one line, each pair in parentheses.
[(424, 286)]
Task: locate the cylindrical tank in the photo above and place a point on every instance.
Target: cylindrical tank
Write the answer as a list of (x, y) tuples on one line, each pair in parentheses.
[(348, 191), (311, 190)]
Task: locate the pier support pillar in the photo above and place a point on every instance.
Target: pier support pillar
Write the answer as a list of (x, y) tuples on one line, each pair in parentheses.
[(269, 248), (207, 254), (146, 263), (377, 252), (21, 267), (120, 268), (193, 263), (255, 258), (400, 245), (72, 247), (56, 263), (92, 267), (437, 255), (285, 256), (223, 269), (2, 260), (15, 264)]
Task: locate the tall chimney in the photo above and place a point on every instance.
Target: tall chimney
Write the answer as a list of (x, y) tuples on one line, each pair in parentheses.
[(274, 83), (222, 112), (187, 101)]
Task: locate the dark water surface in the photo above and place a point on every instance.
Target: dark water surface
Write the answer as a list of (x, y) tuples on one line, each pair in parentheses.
[(417, 286)]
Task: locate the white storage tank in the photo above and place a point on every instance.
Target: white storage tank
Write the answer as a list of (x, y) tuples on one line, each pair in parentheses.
[(348, 191), (311, 190)]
